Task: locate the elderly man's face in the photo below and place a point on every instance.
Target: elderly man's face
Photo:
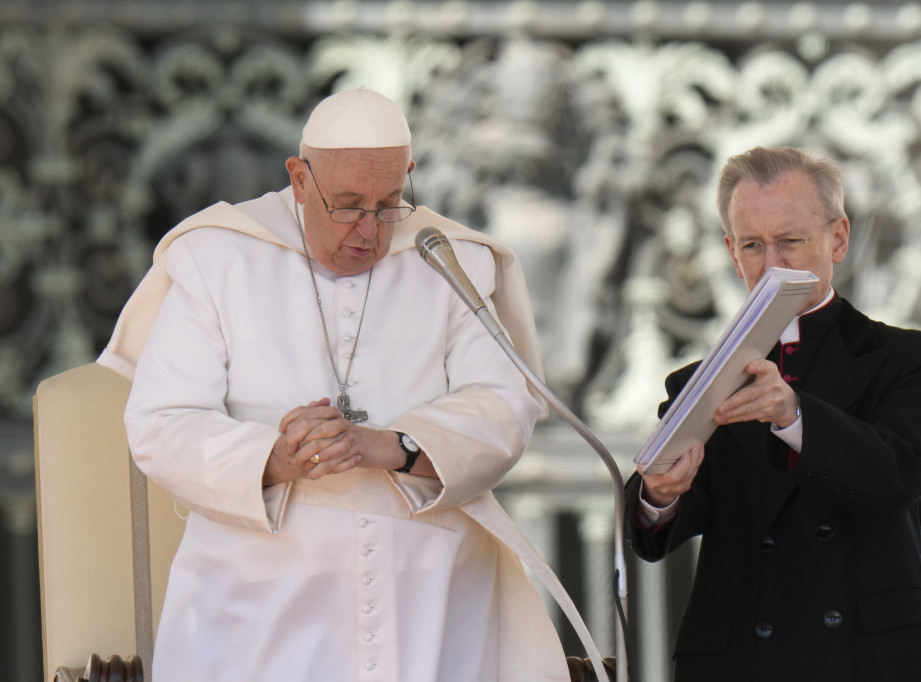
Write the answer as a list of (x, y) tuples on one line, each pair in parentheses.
[(371, 179), (784, 225)]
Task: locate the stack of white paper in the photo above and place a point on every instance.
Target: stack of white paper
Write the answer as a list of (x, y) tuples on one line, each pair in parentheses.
[(751, 334)]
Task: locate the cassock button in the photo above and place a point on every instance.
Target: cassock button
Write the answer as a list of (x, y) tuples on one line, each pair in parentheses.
[(367, 580), (367, 636), (347, 312), (348, 284), (363, 522), (367, 608), (833, 619), (369, 666), (824, 532), (366, 550), (787, 378), (767, 544), (789, 350), (764, 629)]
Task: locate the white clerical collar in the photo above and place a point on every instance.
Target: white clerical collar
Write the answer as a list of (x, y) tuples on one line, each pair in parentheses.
[(791, 333)]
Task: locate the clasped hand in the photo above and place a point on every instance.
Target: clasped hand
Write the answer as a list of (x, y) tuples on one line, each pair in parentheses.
[(319, 431)]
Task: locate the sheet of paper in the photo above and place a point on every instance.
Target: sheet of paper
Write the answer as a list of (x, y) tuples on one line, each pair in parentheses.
[(751, 334)]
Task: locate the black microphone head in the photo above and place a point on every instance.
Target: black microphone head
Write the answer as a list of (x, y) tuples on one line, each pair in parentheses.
[(430, 238)]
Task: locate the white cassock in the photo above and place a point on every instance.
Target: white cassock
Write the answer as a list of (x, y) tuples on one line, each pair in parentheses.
[(365, 575)]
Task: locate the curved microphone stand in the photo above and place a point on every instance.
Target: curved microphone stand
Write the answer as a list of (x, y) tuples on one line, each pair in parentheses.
[(435, 249)]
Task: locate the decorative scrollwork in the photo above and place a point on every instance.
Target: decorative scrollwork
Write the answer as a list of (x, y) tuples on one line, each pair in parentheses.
[(595, 158)]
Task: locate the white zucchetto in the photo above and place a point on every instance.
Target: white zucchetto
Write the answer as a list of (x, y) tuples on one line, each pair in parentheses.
[(355, 119)]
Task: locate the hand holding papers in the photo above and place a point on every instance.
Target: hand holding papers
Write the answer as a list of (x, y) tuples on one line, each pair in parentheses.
[(751, 334)]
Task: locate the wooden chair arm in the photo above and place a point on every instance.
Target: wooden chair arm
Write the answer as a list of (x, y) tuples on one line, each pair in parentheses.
[(113, 669), (581, 669)]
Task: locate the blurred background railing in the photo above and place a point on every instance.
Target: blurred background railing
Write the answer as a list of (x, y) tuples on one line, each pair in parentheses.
[(586, 134)]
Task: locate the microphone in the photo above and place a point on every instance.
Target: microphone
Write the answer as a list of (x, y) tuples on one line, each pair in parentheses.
[(435, 249)]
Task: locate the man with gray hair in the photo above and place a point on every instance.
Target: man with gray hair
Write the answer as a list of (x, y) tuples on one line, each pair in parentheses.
[(807, 495), (334, 418)]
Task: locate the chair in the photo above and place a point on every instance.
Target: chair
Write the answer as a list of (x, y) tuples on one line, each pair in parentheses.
[(107, 535)]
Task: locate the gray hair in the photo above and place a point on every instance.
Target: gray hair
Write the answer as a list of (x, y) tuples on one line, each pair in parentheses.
[(764, 166)]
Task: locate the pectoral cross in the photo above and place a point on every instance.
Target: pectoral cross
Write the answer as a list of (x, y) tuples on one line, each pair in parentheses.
[(345, 407)]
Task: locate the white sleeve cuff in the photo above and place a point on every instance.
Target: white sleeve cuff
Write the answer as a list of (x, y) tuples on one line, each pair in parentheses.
[(654, 516), (792, 435)]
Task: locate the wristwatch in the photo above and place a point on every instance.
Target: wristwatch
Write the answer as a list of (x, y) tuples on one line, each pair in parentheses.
[(412, 450)]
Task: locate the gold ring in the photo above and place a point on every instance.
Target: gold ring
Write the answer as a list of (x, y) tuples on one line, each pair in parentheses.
[(315, 459)]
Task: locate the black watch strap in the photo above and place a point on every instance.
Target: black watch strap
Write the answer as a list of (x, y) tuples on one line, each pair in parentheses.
[(408, 445)]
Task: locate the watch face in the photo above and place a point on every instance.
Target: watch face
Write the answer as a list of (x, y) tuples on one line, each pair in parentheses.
[(409, 443)]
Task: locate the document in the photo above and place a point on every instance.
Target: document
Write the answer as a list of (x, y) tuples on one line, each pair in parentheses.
[(751, 334)]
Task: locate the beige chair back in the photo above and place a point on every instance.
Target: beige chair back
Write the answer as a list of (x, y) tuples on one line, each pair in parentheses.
[(107, 535)]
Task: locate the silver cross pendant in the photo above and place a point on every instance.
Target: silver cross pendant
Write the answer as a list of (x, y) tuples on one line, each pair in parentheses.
[(345, 407)]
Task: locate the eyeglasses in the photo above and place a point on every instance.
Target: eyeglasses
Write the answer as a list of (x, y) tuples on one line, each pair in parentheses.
[(789, 248), (391, 214)]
